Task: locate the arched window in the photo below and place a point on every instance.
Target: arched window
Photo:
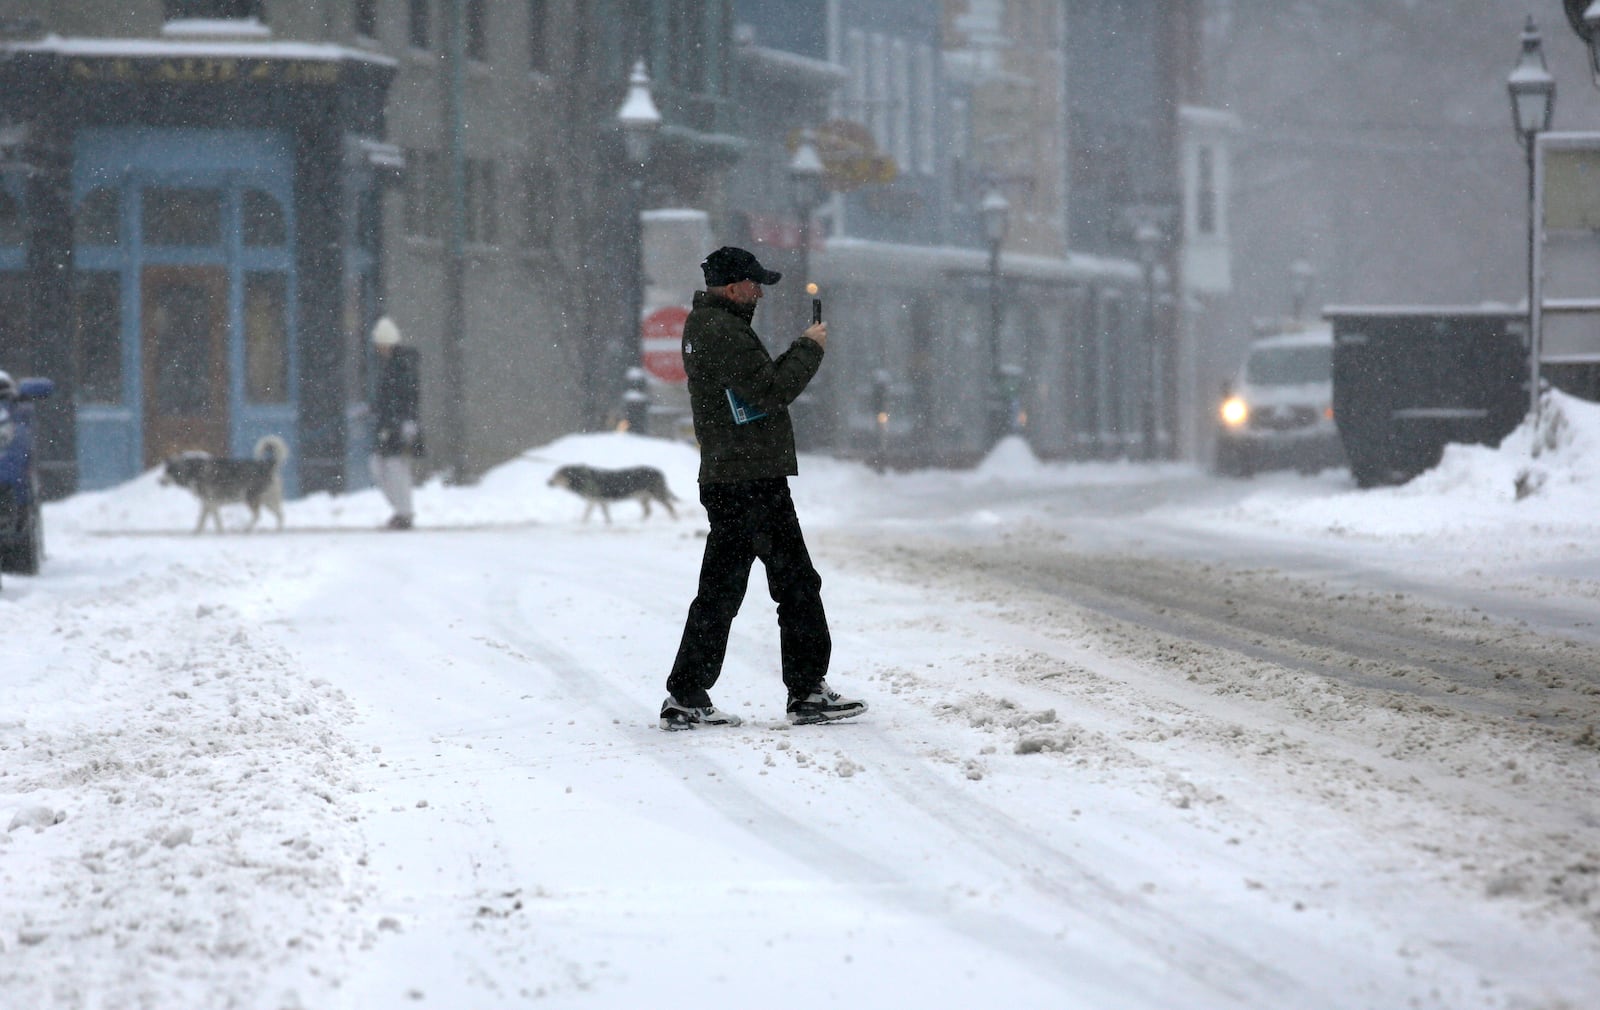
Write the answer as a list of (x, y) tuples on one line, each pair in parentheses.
[(175, 216)]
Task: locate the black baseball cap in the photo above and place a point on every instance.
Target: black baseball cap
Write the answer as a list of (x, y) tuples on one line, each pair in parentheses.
[(730, 264)]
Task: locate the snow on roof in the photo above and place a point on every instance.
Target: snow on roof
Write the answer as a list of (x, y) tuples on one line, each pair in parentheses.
[(1204, 116), (1314, 335), (216, 27), (1482, 309), (843, 257), (211, 48), (674, 214), (818, 73)]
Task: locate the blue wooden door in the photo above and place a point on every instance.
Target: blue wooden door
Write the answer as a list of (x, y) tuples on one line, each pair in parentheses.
[(184, 346), (184, 295)]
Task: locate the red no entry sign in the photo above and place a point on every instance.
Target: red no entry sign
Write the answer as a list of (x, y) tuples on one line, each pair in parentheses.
[(661, 343)]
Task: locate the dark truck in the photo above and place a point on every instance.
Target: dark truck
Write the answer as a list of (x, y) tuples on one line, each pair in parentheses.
[(1408, 380)]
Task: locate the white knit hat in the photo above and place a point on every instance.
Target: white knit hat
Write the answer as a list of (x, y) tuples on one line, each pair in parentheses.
[(385, 333)]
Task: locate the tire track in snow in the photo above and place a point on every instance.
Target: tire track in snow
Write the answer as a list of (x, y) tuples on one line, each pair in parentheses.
[(1210, 967), (1375, 641), (1205, 958), (1482, 723)]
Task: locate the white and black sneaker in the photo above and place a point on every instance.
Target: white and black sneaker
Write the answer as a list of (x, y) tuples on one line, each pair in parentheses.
[(823, 705), (676, 716)]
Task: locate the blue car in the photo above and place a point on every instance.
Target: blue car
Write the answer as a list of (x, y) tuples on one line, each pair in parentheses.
[(21, 530)]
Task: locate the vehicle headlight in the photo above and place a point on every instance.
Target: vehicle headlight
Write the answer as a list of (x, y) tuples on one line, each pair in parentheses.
[(1235, 411)]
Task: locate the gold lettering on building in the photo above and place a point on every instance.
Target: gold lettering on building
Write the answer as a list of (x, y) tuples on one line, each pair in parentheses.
[(203, 70)]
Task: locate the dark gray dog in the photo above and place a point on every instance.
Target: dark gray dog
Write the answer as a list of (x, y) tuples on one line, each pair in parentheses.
[(643, 484), (219, 481)]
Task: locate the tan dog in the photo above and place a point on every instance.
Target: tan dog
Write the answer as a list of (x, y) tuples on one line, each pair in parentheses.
[(219, 481), (643, 484)]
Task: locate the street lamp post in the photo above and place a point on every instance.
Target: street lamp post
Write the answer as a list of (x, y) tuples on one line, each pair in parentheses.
[(806, 191), (996, 213), (455, 244), (1301, 274), (1161, 387), (639, 120), (1533, 98), (1148, 238)]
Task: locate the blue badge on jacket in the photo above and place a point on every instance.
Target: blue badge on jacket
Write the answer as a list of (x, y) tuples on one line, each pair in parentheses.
[(743, 413)]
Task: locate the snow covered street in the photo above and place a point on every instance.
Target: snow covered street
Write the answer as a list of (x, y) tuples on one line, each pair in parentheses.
[(1138, 738)]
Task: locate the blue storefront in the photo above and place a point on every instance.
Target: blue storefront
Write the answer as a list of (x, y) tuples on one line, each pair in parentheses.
[(194, 254)]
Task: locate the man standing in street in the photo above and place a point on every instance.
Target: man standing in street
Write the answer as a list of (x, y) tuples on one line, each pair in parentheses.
[(740, 397)]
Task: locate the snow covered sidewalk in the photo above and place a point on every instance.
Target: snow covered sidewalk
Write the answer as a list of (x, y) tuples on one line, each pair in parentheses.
[(178, 796)]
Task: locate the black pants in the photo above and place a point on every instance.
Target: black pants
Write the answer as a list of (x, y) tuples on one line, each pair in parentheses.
[(750, 520)]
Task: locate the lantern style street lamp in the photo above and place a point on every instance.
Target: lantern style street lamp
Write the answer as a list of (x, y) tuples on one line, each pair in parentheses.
[(1591, 34), (806, 192), (638, 117), (639, 121), (995, 211), (1533, 99), (1584, 17), (806, 173)]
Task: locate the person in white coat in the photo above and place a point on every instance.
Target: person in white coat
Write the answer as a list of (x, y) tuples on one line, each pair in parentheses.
[(397, 431)]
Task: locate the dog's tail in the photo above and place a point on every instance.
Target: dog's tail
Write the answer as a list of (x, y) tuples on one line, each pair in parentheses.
[(273, 448)]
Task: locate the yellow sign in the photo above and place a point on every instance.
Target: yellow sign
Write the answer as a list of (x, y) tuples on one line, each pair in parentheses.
[(202, 70), (1572, 189), (850, 156)]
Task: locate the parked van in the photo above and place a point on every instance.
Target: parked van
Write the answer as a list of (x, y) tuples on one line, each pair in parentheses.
[(1278, 411)]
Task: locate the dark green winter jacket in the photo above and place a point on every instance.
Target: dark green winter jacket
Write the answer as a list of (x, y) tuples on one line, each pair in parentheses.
[(722, 354)]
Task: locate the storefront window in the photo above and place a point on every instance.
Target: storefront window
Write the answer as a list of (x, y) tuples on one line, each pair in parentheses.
[(182, 217), (99, 217), (263, 220), (266, 341), (97, 335)]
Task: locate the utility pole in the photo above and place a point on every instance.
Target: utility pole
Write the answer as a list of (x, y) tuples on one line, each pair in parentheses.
[(455, 267)]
